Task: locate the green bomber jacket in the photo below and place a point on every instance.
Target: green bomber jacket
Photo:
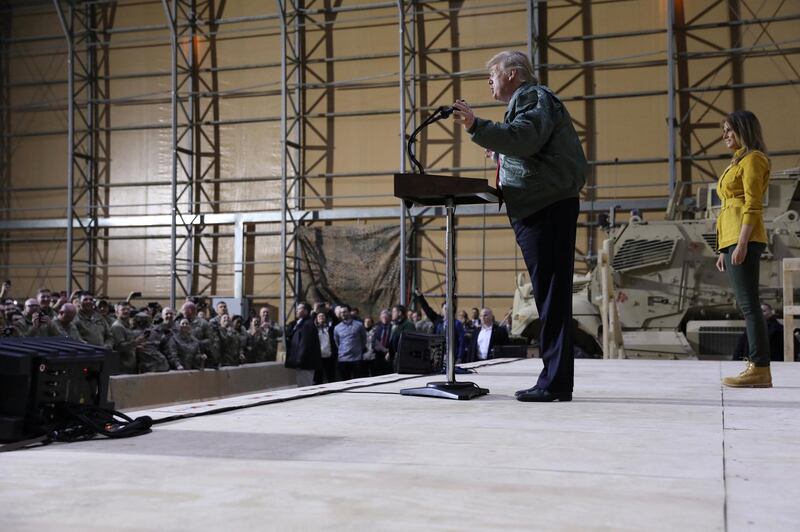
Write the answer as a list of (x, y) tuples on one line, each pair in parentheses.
[(541, 157)]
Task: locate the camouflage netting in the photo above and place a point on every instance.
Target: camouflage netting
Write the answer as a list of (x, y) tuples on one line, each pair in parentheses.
[(358, 265)]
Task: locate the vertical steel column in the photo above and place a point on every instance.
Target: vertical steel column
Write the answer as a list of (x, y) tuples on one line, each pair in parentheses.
[(408, 121), (66, 26), (103, 17), (402, 32), (284, 161), (291, 149), (187, 171), (170, 13), (81, 26), (590, 114), (671, 121), (536, 13), (537, 38), (299, 126), (403, 248), (90, 12), (737, 57), (319, 132), (206, 135), (238, 258), (5, 134), (684, 99)]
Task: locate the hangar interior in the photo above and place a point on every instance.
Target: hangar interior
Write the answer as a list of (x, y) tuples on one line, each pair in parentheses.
[(247, 148), (182, 147)]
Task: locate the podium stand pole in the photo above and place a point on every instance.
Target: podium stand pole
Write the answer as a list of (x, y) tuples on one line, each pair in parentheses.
[(450, 389), (450, 277)]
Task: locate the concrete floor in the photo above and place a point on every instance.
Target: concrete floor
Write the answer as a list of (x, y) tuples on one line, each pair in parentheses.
[(645, 445)]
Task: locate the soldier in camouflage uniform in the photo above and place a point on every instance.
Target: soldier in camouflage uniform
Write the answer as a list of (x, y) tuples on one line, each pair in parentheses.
[(230, 343), (205, 334), (45, 299), (91, 325), (104, 311), (222, 310), (33, 323), (264, 336), (65, 323), (125, 340), (168, 325), (244, 338), (150, 357), (186, 347)]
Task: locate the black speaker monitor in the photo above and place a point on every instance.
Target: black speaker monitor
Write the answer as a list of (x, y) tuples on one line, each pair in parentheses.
[(39, 374), (420, 353)]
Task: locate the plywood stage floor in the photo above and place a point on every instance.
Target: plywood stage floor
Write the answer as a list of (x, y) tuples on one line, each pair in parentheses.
[(644, 445)]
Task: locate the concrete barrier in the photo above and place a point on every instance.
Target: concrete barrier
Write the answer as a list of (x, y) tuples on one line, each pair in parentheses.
[(156, 389)]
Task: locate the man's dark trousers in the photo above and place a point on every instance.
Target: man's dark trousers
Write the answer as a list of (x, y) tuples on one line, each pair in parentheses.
[(547, 241)]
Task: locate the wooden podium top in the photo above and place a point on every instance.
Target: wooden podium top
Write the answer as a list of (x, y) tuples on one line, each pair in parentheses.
[(434, 190)]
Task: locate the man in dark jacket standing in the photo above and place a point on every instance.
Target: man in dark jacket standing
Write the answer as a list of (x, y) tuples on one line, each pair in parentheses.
[(303, 353), (488, 336), (541, 170)]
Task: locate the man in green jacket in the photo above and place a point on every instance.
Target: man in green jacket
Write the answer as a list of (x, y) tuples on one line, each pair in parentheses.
[(91, 325), (541, 170)]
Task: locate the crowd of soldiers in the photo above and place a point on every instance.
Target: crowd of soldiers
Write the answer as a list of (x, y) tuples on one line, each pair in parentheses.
[(147, 339)]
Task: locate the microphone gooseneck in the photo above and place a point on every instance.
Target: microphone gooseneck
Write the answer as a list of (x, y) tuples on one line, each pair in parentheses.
[(440, 113)]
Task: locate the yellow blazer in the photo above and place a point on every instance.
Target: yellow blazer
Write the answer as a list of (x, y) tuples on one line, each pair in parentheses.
[(741, 189)]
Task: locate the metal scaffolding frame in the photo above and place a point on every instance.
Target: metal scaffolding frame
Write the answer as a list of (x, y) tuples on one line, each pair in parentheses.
[(5, 142), (698, 110), (292, 130), (549, 44), (195, 143), (85, 30), (407, 47), (197, 216)]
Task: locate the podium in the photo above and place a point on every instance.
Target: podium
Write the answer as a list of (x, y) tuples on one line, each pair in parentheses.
[(448, 191)]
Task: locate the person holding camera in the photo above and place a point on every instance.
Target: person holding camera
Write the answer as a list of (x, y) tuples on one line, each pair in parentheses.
[(149, 354), (33, 322), (231, 350), (263, 338), (5, 290), (126, 342)]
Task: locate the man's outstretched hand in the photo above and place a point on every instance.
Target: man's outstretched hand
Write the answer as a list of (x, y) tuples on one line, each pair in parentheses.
[(463, 114)]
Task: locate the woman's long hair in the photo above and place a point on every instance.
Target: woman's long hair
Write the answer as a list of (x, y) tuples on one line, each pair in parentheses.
[(747, 131)]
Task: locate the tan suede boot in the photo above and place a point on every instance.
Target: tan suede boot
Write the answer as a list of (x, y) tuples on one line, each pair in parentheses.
[(751, 377)]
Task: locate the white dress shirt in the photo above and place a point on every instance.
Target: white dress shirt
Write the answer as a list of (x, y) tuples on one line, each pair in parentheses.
[(484, 337), (324, 342)]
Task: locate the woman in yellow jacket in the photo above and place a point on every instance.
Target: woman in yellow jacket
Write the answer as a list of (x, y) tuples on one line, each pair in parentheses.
[(741, 237)]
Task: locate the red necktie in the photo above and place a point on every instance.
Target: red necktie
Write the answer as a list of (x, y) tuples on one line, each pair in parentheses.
[(497, 185)]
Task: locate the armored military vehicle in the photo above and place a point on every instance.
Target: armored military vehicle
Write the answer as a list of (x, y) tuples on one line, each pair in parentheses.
[(672, 301)]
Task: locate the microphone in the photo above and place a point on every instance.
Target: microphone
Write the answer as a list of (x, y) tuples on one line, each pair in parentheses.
[(446, 111), (440, 113)]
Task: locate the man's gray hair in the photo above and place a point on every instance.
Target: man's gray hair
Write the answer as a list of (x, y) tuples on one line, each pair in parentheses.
[(514, 60)]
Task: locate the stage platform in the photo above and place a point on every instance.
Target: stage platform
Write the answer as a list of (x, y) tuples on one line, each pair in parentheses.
[(644, 445)]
